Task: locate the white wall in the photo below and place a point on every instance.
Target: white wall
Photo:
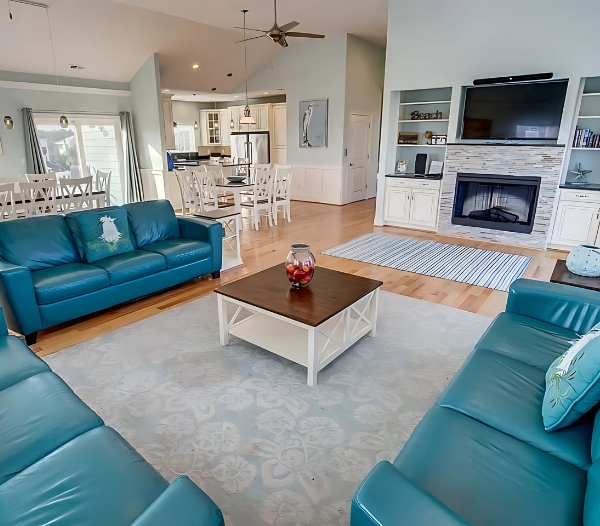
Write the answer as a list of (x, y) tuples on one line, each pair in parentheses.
[(37, 97), (365, 65), (147, 114), (187, 113)]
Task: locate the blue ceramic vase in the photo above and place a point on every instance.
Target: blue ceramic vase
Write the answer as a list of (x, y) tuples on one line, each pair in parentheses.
[(584, 261)]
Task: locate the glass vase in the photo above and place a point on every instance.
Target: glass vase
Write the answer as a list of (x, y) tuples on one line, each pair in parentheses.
[(300, 265)]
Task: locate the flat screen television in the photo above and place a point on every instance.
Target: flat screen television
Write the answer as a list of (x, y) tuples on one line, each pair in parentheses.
[(524, 111)]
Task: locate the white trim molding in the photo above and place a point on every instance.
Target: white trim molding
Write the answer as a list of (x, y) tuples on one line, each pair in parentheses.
[(9, 84), (318, 184)]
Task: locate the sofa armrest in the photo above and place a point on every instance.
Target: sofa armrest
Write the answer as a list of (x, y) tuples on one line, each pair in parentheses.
[(569, 307), (17, 298), (181, 504), (205, 230), (387, 497)]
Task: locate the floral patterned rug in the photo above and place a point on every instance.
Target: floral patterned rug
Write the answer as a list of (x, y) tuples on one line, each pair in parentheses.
[(242, 423)]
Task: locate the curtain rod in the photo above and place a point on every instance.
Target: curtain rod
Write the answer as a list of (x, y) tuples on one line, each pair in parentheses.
[(62, 112)]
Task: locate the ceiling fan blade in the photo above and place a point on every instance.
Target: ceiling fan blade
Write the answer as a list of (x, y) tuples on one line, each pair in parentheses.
[(283, 42), (250, 29), (289, 26), (253, 38), (303, 35)]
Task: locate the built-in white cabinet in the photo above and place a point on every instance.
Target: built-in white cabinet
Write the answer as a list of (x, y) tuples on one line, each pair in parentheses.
[(168, 118), (412, 203), (279, 134), (212, 127), (261, 113), (577, 218)]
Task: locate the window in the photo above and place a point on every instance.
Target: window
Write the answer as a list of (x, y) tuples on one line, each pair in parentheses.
[(214, 133), (89, 144), (185, 138)]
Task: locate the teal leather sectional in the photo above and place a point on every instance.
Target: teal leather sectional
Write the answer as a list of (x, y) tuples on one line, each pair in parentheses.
[(45, 279), (60, 465), (481, 455)]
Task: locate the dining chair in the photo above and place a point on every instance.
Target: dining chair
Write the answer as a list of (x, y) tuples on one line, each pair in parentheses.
[(40, 178), (75, 194), (282, 184), (205, 191), (7, 201), (103, 185), (261, 197), (185, 180), (38, 198)]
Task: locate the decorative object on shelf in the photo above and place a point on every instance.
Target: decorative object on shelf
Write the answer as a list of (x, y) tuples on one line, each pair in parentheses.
[(586, 139), (408, 138), (438, 139), (435, 168), (313, 123), (418, 116), (401, 167), (584, 261), (580, 174), (422, 163), (428, 135), (9, 124), (300, 265)]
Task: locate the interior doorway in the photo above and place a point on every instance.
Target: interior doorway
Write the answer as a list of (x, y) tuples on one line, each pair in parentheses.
[(359, 147)]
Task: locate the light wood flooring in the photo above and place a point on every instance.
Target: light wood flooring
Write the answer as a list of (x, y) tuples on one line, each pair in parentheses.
[(323, 227)]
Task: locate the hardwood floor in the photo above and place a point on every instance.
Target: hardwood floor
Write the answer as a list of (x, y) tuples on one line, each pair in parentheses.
[(322, 226)]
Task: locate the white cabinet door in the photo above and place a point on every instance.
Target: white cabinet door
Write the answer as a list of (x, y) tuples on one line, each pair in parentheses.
[(576, 223), (225, 127), (235, 116), (397, 204), (279, 131), (424, 208), (203, 125), (168, 118), (263, 117), (254, 115)]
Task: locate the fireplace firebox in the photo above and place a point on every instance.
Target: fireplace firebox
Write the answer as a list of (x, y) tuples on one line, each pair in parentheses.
[(498, 202)]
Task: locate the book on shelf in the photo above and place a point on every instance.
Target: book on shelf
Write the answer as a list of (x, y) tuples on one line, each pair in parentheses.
[(586, 138)]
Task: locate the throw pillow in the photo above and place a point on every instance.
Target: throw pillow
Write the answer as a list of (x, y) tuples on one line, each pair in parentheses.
[(573, 383), (105, 234)]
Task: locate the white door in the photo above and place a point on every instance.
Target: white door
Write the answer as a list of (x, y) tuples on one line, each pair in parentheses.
[(576, 223), (358, 156), (424, 208), (397, 205)]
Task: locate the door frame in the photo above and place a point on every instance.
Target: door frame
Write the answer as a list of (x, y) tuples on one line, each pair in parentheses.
[(348, 193)]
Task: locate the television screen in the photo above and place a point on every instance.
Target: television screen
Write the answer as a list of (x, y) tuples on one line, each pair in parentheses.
[(530, 111)]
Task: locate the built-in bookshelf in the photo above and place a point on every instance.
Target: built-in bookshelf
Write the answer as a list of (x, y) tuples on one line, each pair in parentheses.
[(435, 101), (585, 142)]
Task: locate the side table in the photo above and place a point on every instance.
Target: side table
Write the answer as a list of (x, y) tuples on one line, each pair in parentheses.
[(232, 225)]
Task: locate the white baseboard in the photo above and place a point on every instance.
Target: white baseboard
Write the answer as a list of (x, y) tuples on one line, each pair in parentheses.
[(318, 184)]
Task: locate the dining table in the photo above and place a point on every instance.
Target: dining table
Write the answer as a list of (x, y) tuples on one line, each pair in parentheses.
[(237, 189)]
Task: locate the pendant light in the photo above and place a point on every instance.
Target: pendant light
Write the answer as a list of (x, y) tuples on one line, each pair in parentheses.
[(9, 124), (231, 125), (247, 118)]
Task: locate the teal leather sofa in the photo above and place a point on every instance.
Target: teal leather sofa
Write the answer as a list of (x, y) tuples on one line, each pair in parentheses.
[(60, 465), (45, 279), (481, 455)]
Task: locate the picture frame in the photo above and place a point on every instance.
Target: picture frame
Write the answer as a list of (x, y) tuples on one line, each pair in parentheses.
[(401, 167), (313, 123)]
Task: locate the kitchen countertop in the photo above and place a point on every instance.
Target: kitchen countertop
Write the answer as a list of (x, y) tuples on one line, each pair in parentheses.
[(415, 176), (587, 186)]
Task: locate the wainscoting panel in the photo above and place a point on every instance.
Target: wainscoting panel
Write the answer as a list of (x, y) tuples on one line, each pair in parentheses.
[(319, 184)]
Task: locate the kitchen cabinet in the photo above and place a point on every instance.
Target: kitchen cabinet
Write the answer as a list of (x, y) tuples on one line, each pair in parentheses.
[(279, 134), (167, 105), (412, 203), (225, 127), (577, 218)]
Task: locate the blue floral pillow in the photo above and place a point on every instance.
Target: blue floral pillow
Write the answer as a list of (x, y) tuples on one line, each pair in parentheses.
[(573, 383), (105, 233)]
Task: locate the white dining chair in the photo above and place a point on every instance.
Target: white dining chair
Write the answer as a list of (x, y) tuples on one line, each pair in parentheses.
[(282, 183), (261, 197), (40, 178), (7, 201), (38, 198), (103, 185), (185, 180), (205, 191), (75, 194)]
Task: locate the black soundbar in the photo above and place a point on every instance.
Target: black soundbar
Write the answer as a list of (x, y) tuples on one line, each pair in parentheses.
[(516, 78)]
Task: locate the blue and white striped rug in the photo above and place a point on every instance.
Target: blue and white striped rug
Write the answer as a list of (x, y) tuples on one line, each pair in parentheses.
[(486, 268)]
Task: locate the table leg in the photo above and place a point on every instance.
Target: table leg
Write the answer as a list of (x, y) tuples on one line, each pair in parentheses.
[(312, 357), (373, 308), (223, 322), (237, 200)]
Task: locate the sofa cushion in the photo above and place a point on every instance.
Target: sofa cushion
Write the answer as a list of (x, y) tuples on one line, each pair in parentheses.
[(488, 477), (152, 221), (526, 339), (131, 266), (105, 234), (37, 416), (181, 251), (73, 222), (507, 395), (573, 383), (591, 509), (38, 242), (96, 479), (67, 281), (18, 362)]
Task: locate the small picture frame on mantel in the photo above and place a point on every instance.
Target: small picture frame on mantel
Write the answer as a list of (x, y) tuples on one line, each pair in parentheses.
[(401, 167)]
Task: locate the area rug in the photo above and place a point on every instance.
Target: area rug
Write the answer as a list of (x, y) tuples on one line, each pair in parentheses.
[(242, 423), (486, 268)]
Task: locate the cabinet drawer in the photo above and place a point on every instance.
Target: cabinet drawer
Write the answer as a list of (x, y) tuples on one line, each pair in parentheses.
[(413, 183), (582, 196)]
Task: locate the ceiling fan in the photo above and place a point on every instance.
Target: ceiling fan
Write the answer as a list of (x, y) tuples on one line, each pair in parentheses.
[(279, 34)]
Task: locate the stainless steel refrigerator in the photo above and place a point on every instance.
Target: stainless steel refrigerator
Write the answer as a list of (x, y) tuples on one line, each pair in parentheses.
[(255, 145)]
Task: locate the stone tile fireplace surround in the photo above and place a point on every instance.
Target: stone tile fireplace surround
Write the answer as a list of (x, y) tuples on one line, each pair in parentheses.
[(514, 160)]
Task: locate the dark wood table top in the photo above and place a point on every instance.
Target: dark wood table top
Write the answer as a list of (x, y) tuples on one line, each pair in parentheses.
[(329, 293), (563, 275), (218, 214)]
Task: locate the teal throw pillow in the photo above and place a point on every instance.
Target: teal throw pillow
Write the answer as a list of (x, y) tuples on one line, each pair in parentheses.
[(573, 383), (105, 234)]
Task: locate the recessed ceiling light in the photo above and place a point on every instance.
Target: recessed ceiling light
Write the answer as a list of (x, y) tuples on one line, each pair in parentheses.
[(230, 74), (196, 66), (166, 90), (266, 93), (214, 89), (236, 96)]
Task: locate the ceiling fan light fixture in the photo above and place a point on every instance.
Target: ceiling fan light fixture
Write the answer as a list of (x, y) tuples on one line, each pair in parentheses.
[(64, 122), (9, 124)]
